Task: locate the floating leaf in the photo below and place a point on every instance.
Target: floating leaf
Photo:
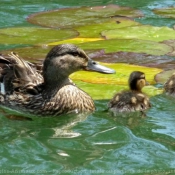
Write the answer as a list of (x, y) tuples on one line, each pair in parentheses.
[(120, 78), (75, 41), (107, 91), (143, 32), (33, 35), (128, 45), (30, 53), (94, 30), (111, 84), (114, 51), (166, 12), (172, 44), (71, 17), (142, 59), (163, 76)]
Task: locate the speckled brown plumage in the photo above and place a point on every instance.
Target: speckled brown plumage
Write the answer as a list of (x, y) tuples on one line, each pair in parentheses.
[(49, 92), (169, 86), (133, 99)]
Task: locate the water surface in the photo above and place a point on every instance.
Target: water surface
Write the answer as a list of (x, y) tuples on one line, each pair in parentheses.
[(96, 144)]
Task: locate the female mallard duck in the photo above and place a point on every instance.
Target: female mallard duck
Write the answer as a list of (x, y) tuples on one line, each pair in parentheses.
[(169, 86), (51, 93), (133, 99)]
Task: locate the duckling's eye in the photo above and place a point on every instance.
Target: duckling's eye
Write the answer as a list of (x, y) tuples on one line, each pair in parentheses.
[(142, 76), (75, 54)]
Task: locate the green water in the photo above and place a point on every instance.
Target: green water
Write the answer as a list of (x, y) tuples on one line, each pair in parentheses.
[(94, 144)]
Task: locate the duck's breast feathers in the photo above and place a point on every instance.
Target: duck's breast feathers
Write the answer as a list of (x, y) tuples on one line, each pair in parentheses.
[(18, 74), (68, 99), (129, 101)]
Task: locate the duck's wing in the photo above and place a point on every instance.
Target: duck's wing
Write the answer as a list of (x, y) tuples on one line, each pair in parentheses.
[(19, 75)]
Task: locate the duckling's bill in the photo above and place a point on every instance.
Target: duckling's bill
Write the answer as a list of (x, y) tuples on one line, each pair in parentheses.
[(94, 66)]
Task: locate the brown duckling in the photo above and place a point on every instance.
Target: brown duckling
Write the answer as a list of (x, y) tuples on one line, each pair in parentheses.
[(133, 99), (50, 92), (169, 86)]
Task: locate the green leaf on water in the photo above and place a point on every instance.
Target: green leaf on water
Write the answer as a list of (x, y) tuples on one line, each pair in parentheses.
[(32, 54), (107, 91), (94, 30), (128, 45), (171, 43), (120, 78), (34, 35), (104, 86), (142, 32), (82, 16), (163, 76), (166, 12)]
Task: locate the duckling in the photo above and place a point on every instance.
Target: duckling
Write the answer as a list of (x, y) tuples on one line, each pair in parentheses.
[(47, 90), (169, 86), (133, 99)]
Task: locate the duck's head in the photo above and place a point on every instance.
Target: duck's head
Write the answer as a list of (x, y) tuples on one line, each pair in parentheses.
[(62, 60), (137, 81)]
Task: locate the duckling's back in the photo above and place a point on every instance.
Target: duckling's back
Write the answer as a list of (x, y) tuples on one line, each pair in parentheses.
[(129, 101), (169, 86)]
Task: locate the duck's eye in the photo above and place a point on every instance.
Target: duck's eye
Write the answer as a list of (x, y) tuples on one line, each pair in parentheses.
[(94, 63)]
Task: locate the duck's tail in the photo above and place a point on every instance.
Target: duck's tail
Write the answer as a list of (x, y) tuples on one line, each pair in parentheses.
[(17, 74)]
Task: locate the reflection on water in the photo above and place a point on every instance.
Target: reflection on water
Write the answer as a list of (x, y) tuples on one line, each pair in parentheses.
[(94, 144)]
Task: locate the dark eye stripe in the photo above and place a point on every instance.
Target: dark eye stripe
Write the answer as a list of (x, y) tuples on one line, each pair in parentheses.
[(141, 78)]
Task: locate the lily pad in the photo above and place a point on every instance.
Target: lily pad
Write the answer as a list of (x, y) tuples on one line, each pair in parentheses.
[(172, 44), (111, 84), (107, 91), (75, 41), (143, 32), (128, 51), (163, 76), (128, 45), (32, 54), (166, 12), (33, 35), (71, 17), (142, 59), (94, 30), (120, 78)]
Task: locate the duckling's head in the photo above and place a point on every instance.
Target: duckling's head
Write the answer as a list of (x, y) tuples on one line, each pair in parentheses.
[(137, 81), (64, 59)]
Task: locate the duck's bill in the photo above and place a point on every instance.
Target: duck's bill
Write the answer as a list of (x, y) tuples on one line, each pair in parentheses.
[(94, 66)]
